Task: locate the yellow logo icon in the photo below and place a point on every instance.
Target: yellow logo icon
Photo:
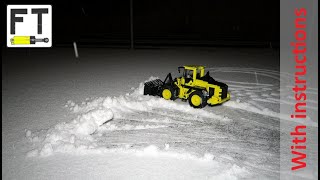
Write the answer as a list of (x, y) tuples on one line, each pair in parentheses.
[(20, 40)]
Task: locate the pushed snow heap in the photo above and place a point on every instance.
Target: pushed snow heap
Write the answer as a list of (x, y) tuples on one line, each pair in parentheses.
[(68, 137), (78, 135), (88, 123), (137, 102)]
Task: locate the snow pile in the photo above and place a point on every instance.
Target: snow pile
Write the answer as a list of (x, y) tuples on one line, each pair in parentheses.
[(79, 144), (232, 173), (148, 103), (132, 103), (154, 151), (137, 102), (89, 122), (93, 116), (70, 137), (223, 170), (76, 136), (113, 127), (165, 120)]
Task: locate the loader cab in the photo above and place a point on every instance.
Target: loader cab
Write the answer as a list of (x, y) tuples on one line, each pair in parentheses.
[(190, 73), (186, 75)]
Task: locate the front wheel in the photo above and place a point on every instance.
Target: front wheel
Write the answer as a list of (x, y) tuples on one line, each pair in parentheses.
[(197, 99), (168, 93)]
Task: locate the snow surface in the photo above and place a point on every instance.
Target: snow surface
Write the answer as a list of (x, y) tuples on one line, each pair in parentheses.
[(64, 119), (77, 137)]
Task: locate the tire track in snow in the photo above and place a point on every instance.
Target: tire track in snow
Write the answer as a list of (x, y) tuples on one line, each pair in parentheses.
[(264, 98)]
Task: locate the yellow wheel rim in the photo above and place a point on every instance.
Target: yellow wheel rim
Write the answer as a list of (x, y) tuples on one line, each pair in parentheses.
[(196, 100), (166, 94)]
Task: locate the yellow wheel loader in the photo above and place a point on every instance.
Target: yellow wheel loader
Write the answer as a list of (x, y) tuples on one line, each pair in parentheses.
[(193, 85)]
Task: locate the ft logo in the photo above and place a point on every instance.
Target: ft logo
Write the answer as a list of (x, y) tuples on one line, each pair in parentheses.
[(29, 26)]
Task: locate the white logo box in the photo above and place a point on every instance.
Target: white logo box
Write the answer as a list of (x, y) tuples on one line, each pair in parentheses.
[(27, 32)]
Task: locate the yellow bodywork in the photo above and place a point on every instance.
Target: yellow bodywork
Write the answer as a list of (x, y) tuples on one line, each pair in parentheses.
[(20, 40), (186, 88)]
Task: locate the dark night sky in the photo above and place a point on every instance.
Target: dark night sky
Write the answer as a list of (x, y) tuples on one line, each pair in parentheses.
[(165, 22)]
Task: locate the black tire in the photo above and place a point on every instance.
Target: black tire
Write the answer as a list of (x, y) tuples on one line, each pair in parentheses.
[(203, 102), (172, 90)]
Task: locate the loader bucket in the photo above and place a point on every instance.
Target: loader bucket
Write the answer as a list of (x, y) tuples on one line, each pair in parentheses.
[(153, 87)]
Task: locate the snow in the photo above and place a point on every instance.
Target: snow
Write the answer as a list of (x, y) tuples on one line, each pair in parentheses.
[(64, 119), (248, 107), (75, 137), (72, 136)]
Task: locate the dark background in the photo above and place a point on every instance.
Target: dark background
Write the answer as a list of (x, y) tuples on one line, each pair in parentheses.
[(163, 23)]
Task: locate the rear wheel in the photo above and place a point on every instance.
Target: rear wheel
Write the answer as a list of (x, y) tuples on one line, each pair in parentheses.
[(197, 99)]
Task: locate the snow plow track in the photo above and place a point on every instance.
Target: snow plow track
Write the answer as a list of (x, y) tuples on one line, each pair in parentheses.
[(244, 131)]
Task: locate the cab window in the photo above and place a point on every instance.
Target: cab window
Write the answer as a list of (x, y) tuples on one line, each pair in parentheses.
[(188, 73)]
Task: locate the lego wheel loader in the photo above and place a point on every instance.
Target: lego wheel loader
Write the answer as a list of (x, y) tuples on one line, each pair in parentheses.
[(193, 85)]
